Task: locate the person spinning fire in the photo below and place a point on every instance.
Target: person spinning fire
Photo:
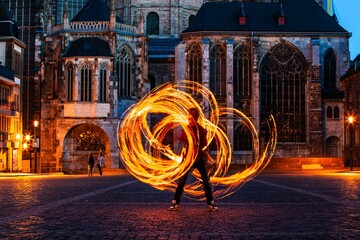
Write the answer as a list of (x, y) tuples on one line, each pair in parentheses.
[(199, 164)]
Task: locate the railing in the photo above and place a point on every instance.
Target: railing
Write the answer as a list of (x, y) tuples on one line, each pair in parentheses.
[(89, 26), (125, 28), (7, 73), (5, 104)]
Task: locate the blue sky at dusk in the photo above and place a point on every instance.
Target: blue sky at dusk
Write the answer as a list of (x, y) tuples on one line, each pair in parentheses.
[(347, 12)]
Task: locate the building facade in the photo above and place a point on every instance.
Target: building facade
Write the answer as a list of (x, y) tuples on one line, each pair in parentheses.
[(11, 72), (85, 90), (351, 83), (269, 58)]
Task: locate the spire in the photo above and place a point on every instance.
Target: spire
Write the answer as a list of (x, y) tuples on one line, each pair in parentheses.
[(112, 15), (66, 15)]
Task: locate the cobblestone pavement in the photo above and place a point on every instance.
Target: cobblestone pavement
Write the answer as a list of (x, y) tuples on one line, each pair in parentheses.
[(272, 206)]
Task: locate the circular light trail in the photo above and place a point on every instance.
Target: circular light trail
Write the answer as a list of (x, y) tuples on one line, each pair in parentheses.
[(147, 153)]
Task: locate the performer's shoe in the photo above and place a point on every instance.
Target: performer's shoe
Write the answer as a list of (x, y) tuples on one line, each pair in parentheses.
[(212, 207), (174, 206)]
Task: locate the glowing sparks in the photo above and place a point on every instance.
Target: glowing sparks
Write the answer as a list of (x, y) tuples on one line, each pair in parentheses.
[(148, 155)]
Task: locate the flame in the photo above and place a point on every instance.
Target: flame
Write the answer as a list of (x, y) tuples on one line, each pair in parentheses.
[(146, 154)]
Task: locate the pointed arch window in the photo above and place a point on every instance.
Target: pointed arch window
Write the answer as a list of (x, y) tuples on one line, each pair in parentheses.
[(336, 112), (125, 73), (103, 79), (330, 69), (69, 92), (329, 113), (152, 24), (86, 83), (282, 91), (242, 138), (242, 71), (218, 70), (194, 63)]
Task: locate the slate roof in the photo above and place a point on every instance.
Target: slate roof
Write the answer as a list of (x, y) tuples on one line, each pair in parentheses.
[(162, 47), (300, 16), (88, 47), (8, 27), (94, 11)]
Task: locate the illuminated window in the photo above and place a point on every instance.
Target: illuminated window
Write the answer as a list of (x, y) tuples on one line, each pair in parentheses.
[(282, 91)]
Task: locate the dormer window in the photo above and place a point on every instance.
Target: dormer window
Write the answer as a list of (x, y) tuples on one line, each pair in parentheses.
[(281, 16), (281, 20), (242, 20), (242, 15)]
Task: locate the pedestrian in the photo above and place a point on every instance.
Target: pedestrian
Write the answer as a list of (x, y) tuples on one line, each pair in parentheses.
[(199, 163), (91, 164), (101, 163)]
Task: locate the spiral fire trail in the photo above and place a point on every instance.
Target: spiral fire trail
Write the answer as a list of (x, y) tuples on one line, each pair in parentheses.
[(147, 155)]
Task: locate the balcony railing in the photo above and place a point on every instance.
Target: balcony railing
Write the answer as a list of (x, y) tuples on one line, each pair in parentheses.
[(7, 73)]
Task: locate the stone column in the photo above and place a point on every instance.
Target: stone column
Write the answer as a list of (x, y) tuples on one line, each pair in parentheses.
[(180, 62), (229, 88), (205, 70), (314, 103)]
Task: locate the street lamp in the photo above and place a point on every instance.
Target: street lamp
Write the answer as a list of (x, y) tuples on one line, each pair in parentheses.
[(351, 120), (35, 146)]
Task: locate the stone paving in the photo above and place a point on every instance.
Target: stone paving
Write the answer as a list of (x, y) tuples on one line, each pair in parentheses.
[(314, 205)]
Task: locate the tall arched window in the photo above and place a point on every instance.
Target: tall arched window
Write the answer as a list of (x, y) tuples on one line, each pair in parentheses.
[(282, 91), (69, 83), (194, 63), (242, 71), (242, 138), (336, 112), (152, 24), (86, 83), (103, 82), (330, 69), (125, 74), (329, 113), (218, 70)]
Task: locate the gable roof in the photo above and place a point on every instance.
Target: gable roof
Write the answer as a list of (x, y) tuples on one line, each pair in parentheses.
[(8, 27), (88, 47), (94, 11), (300, 16)]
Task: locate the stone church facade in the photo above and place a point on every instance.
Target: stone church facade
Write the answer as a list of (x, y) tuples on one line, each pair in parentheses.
[(106, 57)]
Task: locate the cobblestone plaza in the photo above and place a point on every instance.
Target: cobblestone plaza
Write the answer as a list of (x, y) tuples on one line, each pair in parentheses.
[(286, 205)]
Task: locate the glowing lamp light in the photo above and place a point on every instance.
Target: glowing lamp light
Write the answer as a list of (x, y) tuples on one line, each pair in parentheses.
[(36, 123), (27, 137), (148, 157), (17, 136), (25, 145), (351, 119)]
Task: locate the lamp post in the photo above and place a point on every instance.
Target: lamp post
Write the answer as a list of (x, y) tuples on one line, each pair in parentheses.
[(37, 169), (351, 121)]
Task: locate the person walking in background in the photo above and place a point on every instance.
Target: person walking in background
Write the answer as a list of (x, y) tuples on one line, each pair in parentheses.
[(101, 163), (91, 164)]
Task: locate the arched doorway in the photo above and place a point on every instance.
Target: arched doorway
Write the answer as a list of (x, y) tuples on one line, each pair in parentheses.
[(332, 147), (79, 142)]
